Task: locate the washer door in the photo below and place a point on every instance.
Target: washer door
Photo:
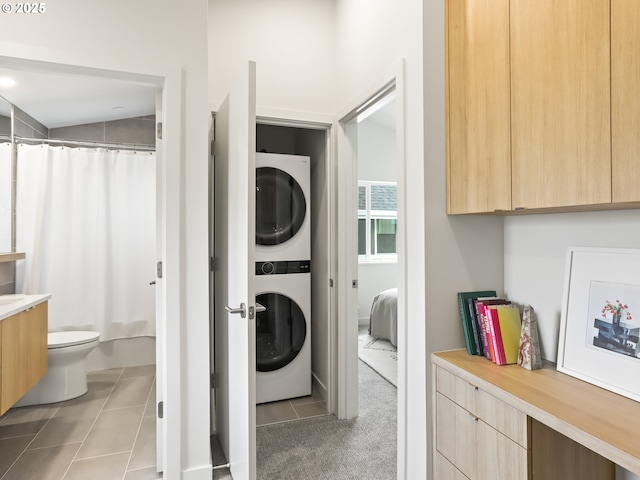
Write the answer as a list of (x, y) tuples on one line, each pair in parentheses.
[(280, 206), (280, 332)]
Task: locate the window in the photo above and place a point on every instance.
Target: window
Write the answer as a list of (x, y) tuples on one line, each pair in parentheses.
[(377, 221)]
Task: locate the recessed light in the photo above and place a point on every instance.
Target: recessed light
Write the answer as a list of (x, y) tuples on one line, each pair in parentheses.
[(7, 82), (117, 108)]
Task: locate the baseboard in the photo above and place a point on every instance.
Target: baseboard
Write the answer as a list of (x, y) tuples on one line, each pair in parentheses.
[(198, 473), (319, 386)]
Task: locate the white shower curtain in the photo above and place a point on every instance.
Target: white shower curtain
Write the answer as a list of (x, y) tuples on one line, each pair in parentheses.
[(85, 219), (5, 197)]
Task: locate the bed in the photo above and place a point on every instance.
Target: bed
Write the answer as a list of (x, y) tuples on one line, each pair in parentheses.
[(383, 320)]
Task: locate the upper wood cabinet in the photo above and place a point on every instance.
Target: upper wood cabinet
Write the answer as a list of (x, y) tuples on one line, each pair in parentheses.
[(625, 100), (560, 110), (478, 120), (543, 111)]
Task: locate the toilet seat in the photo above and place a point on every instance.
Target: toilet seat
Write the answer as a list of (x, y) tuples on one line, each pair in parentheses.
[(70, 338)]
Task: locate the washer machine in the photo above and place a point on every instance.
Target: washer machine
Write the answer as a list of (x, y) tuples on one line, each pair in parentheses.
[(283, 208), (283, 330)]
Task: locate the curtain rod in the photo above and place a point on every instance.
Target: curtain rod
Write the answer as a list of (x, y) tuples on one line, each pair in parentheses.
[(75, 143)]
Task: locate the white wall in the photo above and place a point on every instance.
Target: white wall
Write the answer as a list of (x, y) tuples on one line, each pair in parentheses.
[(147, 37), (376, 162), (376, 151), (535, 248), (292, 43), (444, 254), (308, 63)]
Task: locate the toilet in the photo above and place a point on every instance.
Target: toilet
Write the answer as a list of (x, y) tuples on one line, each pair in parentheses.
[(66, 377)]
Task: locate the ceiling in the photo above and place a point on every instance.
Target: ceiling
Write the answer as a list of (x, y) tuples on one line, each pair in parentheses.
[(63, 99), (382, 111)]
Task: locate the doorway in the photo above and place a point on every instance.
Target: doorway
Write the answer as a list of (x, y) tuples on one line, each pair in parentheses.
[(377, 218), (166, 192), (347, 272), (312, 140)]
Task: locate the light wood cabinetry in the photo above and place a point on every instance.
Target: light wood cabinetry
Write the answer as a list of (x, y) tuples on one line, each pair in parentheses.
[(478, 145), (23, 353), (560, 111), (625, 100), (11, 256), (483, 437), (505, 422), (571, 125)]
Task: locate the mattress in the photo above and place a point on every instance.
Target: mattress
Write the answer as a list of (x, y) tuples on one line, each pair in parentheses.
[(383, 320)]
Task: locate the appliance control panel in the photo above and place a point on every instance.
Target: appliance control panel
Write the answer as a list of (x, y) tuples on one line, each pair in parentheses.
[(283, 267)]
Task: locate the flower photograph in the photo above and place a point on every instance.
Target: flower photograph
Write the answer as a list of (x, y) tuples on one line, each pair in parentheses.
[(614, 318)]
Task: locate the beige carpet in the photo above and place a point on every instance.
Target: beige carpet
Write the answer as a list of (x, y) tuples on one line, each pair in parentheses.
[(325, 448), (379, 354)]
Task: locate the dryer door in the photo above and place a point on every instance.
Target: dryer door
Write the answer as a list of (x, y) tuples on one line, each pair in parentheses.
[(280, 206), (280, 332)]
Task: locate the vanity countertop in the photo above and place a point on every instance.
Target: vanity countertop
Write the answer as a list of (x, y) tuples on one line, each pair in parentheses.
[(17, 306)]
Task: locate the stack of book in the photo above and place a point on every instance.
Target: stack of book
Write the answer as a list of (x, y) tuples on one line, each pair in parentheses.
[(491, 326)]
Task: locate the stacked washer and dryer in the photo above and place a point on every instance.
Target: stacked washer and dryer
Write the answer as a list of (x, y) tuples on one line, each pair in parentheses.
[(283, 277)]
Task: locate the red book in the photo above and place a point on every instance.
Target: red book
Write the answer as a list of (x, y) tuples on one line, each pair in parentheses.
[(481, 305), (496, 334)]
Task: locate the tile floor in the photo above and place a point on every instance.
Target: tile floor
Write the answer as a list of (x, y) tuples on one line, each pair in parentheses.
[(108, 433), (288, 410)]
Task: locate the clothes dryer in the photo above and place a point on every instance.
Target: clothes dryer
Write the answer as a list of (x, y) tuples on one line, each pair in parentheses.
[(283, 330), (283, 207)]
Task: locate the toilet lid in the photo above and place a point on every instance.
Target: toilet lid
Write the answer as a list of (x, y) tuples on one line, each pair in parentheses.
[(65, 339)]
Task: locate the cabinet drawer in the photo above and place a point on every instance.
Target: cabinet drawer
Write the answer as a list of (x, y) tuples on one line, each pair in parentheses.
[(475, 448), (444, 469), (498, 457), (456, 389), (503, 417), (455, 434), (496, 413)]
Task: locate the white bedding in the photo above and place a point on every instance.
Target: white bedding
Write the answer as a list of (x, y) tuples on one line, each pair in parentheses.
[(383, 320)]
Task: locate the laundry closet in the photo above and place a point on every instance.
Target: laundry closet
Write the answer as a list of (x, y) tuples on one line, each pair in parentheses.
[(292, 262)]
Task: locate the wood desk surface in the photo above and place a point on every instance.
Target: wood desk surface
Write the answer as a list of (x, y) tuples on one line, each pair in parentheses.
[(603, 421)]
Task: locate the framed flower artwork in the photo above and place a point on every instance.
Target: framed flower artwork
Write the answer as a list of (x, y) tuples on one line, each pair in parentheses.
[(600, 319)]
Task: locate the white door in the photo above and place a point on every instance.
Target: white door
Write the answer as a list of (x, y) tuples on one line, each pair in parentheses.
[(160, 311), (234, 217)]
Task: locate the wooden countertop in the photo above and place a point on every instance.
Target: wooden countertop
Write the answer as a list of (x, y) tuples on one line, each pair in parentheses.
[(18, 306), (603, 421), (11, 256)]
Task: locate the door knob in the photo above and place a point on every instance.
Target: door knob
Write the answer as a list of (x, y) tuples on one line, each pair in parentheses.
[(242, 310), (260, 308)]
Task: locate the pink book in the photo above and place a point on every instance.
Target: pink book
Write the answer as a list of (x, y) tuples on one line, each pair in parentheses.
[(483, 320), (496, 334)]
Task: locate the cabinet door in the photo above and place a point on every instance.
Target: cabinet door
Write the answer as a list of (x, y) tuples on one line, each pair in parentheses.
[(625, 100), (444, 470), (498, 457), (455, 435), (502, 417), (478, 117), (560, 103), (24, 353)]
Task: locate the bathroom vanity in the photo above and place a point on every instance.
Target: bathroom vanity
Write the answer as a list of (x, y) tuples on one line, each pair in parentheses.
[(23, 345)]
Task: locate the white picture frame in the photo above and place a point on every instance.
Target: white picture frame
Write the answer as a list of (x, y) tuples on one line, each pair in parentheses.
[(595, 344)]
